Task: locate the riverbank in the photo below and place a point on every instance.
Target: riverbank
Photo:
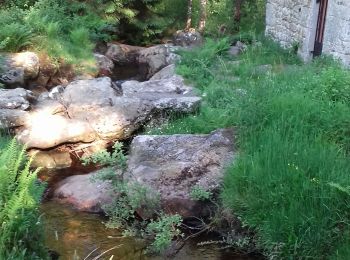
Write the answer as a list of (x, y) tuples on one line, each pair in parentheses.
[(285, 131), (71, 234), (290, 183), (162, 181)]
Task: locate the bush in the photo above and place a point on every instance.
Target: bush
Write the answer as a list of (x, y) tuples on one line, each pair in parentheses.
[(132, 197), (164, 229), (21, 235), (66, 29)]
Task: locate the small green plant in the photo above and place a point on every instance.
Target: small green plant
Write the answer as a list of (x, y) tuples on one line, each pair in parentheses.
[(163, 230), (104, 158), (132, 197), (198, 193)]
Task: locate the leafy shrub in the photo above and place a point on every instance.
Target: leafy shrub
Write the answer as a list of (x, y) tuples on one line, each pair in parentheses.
[(132, 197), (334, 84), (21, 236), (15, 37), (164, 229), (198, 193), (66, 29), (104, 158)]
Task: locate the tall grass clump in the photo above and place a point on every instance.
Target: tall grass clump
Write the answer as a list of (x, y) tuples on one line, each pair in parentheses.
[(21, 236), (291, 182), (292, 178)]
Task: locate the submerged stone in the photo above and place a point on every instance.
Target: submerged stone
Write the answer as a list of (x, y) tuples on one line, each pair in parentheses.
[(84, 192)]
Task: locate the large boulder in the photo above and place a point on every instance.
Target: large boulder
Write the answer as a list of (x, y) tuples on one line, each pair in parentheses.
[(13, 103), (155, 58), (50, 124), (165, 73), (117, 121), (169, 94), (190, 38), (168, 166), (90, 92), (173, 165), (18, 98), (43, 130), (122, 54), (93, 110), (84, 192), (172, 85), (11, 118), (98, 104), (16, 69), (105, 65)]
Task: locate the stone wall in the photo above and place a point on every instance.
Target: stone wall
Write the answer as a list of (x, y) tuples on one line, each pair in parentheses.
[(291, 22), (337, 32)]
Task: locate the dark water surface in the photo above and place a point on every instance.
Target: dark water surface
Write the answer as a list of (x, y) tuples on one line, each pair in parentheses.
[(74, 235)]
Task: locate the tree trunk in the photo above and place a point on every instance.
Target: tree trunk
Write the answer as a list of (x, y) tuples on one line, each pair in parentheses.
[(189, 14), (237, 11), (203, 15)]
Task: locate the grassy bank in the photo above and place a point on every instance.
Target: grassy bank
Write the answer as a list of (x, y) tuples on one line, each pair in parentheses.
[(291, 181)]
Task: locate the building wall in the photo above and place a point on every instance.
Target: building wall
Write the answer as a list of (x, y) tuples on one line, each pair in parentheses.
[(289, 22), (294, 21), (337, 32)]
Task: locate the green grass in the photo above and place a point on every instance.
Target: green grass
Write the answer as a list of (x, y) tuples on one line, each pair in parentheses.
[(291, 182), (65, 30)]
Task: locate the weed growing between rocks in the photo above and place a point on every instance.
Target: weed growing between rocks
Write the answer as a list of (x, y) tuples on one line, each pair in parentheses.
[(226, 228), (290, 182), (136, 209)]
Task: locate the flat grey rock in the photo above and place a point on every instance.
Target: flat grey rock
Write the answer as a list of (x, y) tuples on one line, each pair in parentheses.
[(173, 165)]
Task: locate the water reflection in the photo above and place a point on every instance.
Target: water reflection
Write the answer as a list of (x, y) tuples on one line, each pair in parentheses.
[(73, 235)]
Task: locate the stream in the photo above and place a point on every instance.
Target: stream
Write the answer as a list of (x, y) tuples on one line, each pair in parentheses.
[(73, 235)]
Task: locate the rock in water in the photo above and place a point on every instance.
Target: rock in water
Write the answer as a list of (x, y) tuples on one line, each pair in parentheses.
[(173, 165), (169, 165), (51, 159), (84, 192)]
